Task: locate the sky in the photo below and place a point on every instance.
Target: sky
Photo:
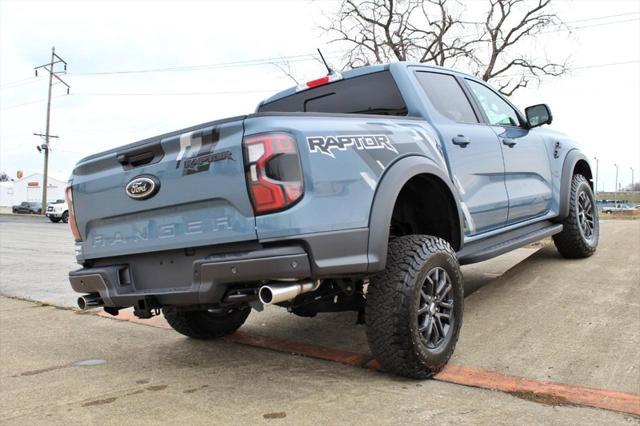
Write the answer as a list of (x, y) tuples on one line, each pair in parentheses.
[(206, 60)]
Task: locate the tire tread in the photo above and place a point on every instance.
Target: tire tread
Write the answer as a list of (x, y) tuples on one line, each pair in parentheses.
[(389, 306), (200, 325), (570, 243)]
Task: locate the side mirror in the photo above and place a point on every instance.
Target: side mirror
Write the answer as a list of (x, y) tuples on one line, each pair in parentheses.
[(537, 115)]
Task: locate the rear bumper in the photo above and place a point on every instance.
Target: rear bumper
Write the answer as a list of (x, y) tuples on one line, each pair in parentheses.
[(181, 279)]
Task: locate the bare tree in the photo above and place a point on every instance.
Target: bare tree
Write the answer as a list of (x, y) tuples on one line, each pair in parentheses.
[(634, 187), (378, 31), (508, 24), (284, 66)]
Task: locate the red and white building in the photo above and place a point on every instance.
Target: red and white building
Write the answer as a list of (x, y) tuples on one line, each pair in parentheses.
[(29, 188)]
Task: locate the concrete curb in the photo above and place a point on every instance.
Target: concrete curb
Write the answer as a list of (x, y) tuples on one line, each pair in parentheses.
[(544, 392)]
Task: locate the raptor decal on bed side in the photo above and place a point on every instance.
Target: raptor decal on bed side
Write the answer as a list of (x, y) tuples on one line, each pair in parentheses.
[(326, 144)]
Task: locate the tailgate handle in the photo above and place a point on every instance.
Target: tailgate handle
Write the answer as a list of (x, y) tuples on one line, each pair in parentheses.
[(135, 160), (140, 156)]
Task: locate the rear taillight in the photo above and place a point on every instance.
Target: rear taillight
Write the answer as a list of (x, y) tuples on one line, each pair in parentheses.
[(72, 215), (274, 175)]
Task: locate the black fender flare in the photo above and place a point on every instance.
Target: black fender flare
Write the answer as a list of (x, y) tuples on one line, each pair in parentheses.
[(387, 191), (568, 167)]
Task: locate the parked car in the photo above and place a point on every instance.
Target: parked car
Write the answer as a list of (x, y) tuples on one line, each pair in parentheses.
[(29, 207), (611, 208), (364, 192), (58, 211)]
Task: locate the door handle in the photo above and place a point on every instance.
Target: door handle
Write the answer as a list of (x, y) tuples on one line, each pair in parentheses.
[(461, 140), (509, 142)]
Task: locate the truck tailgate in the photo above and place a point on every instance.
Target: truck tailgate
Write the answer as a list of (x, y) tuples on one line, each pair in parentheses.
[(183, 189)]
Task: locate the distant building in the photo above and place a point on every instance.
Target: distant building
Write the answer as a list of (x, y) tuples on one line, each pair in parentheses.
[(29, 188)]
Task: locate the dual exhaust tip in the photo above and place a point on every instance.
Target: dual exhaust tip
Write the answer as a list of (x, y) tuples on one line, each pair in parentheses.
[(269, 294)]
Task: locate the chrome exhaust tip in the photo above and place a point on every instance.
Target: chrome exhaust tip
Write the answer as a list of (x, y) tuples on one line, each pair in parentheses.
[(89, 301), (281, 292)]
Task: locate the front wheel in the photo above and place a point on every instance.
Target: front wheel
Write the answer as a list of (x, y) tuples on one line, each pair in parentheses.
[(414, 307), (579, 237), (65, 217), (205, 324), (54, 219)]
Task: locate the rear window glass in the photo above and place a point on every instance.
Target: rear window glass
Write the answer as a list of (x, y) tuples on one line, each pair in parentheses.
[(447, 96), (374, 93)]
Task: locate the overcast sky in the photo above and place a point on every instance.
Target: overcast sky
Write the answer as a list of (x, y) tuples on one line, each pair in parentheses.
[(598, 104)]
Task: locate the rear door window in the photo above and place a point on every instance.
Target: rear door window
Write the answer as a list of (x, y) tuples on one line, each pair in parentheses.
[(446, 95), (375, 93)]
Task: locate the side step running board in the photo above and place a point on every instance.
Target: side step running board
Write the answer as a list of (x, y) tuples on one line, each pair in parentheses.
[(484, 249)]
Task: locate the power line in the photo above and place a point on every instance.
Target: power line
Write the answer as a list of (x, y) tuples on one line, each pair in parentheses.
[(597, 18), (605, 65), (601, 24), (227, 92), (303, 57), (27, 103), (311, 57), (583, 67), (249, 62), (242, 92), (18, 83), (239, 92)]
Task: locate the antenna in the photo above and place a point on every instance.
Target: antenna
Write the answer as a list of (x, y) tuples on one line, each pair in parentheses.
[(329, 70)]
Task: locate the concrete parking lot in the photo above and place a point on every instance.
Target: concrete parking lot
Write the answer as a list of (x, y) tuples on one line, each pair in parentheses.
[(528, 314)]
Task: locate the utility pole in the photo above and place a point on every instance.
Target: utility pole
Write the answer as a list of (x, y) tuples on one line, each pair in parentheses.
[(615, 193), (55, 59), (596, 184)]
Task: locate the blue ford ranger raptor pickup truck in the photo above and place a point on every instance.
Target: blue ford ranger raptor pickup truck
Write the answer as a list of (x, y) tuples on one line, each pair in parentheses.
[(364, 191)]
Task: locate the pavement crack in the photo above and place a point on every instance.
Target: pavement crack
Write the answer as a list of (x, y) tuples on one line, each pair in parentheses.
[(41, 370), (100, 401), (156, 388), (277, 415)]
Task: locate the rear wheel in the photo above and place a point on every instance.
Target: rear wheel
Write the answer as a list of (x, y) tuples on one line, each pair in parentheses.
[(579, 237), (65, 217), (205, 324), (414, 307)]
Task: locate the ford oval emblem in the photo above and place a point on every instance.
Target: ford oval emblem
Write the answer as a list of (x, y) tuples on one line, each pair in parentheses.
[(143, 187)]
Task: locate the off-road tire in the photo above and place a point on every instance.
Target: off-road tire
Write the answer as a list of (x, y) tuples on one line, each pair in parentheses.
[(205, 324), (65, 217), (393, 300), (54, 219), (572, 242)]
